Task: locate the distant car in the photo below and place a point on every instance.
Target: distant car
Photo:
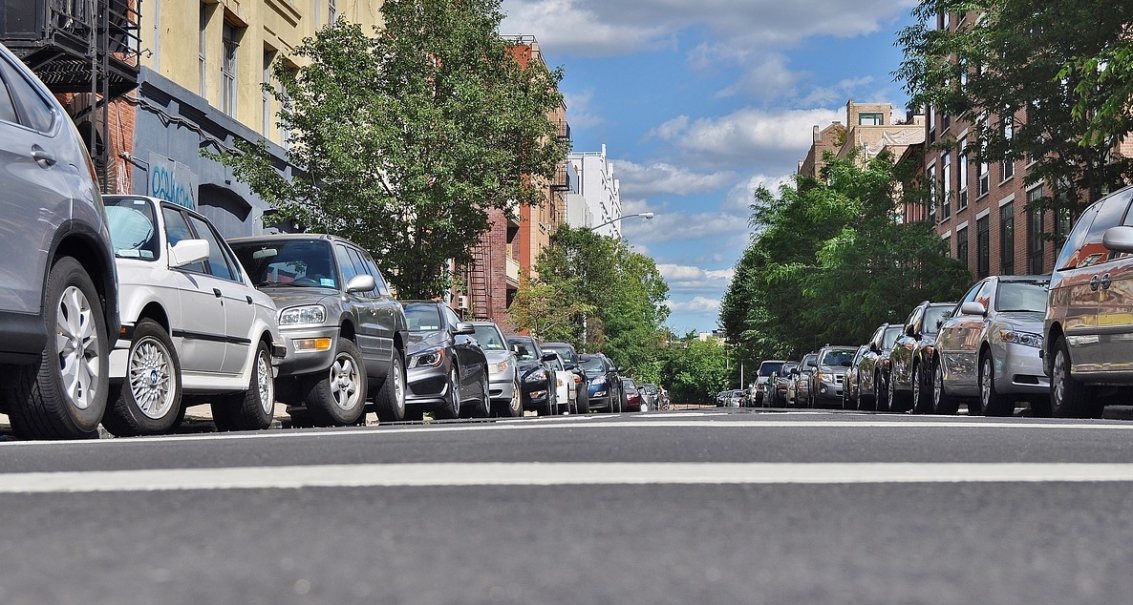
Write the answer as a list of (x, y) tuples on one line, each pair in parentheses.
[(605, 383), (762, 391), (566, 397), (58, 284), (780, 383), (910, 362), (1087, 330), (799, 390), (537, 379), (851, 385), (633, 396), (826, 381), (573, 363), (192, 324), (989, 349), (872, 371), (448, 371), (721, 399), (650, 396), (736, 398), (503, 376), (345, 334)]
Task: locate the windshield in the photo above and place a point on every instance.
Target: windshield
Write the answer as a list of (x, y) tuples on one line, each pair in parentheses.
[(934, 316), (489, 337), (787, 367), (594, 365), (892, 333), (1021, 296), (629, 385), (131, 223), (768, 368), (838, 357), (808, 361), (563, 351), (524, 351), (423, 317), (293, 262), (556, 364)]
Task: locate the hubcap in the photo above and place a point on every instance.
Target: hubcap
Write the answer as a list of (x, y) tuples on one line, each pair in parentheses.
[(344, 386), (76, 340), (917, 384), (938, 386), (1058, 378), (985, 382), (150, 376), (516, 404), (265, 383), (398, 386)]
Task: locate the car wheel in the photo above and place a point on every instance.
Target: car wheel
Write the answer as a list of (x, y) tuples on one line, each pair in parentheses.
[(942, 402), (338, 396), (483, 406), (149, 401), (993, 403), (64, 395), (451, 407), (514, 407), (922, 392), (1070, 398), (253, 409), (583, 401), (897, 401), (881, 392), (389, 402)]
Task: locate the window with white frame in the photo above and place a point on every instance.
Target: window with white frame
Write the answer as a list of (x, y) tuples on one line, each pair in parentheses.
[(932, 192), (268, 54), (946, 181), (228, 69), (202, 45), (962, 175)]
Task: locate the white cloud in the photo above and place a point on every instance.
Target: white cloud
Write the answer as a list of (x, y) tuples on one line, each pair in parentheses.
[(639, 180), (670, 129), (683, 278), (698, 305), (579, 112), (769, 79), (837, 93)]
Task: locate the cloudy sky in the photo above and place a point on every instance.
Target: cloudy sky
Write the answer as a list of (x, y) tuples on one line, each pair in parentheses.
[(701, 101)]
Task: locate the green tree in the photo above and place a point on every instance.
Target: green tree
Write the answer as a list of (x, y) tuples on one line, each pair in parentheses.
[(695, 370), (1004, 73), (543, 310), (406, 138)]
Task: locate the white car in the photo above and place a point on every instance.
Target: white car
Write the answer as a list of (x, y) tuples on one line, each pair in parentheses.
[(565, 387), (192, 324)]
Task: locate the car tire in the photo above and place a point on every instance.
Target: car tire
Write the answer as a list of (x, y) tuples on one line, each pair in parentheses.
[(149, 400), (253, 409), (514, 407), (41, 404), (942, 402), (881, 392), (992, 402), (1069, 397), (583, 401), (483, 406), (389, 401), (337, 396), (451, 407), (898, 402), (922, 392)]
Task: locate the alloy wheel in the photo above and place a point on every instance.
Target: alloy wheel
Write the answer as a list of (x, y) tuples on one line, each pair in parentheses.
[(77, 343), (150, 376)]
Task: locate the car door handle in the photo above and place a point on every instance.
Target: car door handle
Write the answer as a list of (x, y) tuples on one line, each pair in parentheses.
[(217, 293), (1094, 283), (1106, 282), (42, 157), (248, 298)]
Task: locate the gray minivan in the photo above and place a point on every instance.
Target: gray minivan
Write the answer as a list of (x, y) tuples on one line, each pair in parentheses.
[(58, 287)]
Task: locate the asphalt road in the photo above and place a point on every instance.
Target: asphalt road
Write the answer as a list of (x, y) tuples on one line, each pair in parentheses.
[(720, 506)]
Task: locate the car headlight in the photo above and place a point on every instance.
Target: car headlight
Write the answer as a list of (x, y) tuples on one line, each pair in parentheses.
[(824, 377), (600, 380), (310, 314), (1022, 338), (497, 368), (534, 377), (431, 358)]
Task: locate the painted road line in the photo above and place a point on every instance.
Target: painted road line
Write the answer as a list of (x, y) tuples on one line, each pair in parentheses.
[(536, 474)]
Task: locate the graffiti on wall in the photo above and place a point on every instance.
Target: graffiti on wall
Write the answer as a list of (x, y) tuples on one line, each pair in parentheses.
[(171, 180)]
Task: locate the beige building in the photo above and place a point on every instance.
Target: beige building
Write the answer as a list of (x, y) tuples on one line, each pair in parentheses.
[(871, 130)]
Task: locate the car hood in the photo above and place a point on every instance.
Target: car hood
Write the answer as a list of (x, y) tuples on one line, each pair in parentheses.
[(527, 366), (419, 341), (496, 355), (293, 296), (1023, 321), (832, 369)]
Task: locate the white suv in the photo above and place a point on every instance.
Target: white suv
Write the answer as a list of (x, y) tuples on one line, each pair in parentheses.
[(192, 323)]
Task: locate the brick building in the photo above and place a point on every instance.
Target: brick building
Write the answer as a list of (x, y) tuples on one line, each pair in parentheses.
[(871, 130)]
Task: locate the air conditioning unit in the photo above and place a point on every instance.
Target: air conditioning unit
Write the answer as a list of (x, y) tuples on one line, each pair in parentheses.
[(462, 302)]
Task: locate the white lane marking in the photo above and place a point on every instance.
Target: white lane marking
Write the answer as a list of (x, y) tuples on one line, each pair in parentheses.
[(571, 425), (537, 474)]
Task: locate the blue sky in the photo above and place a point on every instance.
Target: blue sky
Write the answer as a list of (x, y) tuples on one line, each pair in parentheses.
[(701, 101)]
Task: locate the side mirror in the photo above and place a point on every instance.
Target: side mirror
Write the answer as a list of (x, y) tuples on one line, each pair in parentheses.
[(361, 283), (583, 358), (548, 357), (621, 369), (973, 308), (187, 252), (1119, 238), (873, 348), (462, 328)]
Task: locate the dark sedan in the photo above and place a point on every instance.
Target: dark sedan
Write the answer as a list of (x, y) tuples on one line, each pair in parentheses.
[(537, 381), (605, 383), (910, 362), (448, 371), (633, 395)]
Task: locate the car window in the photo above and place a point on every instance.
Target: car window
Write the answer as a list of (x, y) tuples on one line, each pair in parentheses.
[(372, 269), (291, 262), (7, 109), (345, 262), (360, 269), (218, 264), (768, 368), (934, 316), (489, 337), (1070, 254), (808, 361), (1021, 296), (914, 318), (132, 228), (565, 352), (450, 315), (176, 229), (970, 296), (987, 288), (594, 365), (523, 348), (423, 317), (837, 357), (892, 333), (37, 112), (556, 364)]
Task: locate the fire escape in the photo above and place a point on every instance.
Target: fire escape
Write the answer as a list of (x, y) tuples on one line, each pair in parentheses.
[(84, 48)]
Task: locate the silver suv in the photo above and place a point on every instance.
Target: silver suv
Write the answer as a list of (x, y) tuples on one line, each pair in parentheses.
[(1089, 316), (58, 287)]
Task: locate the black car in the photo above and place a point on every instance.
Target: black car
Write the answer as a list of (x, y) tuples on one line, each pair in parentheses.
[(604, 381), (536, 379), (910, 361), (448, 371), (571, 360)]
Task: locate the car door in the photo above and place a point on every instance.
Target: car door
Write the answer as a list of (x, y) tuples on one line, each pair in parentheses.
[(468, 352), (1115, 299), (201, 327), (238, 304), (367, 332), (900, 359), (387, 311), (958, 342)]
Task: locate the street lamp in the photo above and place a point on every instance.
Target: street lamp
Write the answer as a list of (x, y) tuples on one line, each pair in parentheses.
[(644, 215)]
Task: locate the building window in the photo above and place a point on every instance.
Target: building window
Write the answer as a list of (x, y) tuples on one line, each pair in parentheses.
[(1062, 225), (268, 54), (946, 192), (202, 55), (870, 119), (962, 245), (983, 247), (930, 116), (228, 71), (947, 245), (933, 187), (1007, 239), (984, 179), (1035, 227), (332, 11), (962, 176)]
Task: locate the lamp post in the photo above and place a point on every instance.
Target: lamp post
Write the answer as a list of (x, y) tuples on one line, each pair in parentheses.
[(644, 215)]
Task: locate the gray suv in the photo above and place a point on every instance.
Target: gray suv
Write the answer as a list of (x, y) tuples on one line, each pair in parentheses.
[(345, 334), (58, 287)]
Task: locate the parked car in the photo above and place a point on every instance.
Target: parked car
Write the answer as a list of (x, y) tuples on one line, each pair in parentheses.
[(910, 361), (721, 399), (633, 395), (192, 324), (780, 383), (447, 369), (571, 359), (346, 336), (851, 384), (872, 370), (830, 372), (604, 382), (798, 393), (650, 396), (58, 277), (736, 398), (537, 379), (988, 351), (1089, 317), (566, 397), (503, 379), (761, 388)]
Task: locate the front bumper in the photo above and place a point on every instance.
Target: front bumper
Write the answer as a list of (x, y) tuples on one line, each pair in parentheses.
[(300, 358), (427, 385), (501, 386), (1021, 371), (828, 391)]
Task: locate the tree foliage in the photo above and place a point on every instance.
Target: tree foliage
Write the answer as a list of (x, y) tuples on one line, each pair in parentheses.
[(406, 138), (830, 261), (695, 370), (1004, 72)]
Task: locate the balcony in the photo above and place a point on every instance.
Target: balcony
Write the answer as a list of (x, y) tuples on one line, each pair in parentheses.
[(512, 270)]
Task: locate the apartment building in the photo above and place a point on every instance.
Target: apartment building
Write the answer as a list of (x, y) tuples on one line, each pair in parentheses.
[(599, 190), (870, 131)]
